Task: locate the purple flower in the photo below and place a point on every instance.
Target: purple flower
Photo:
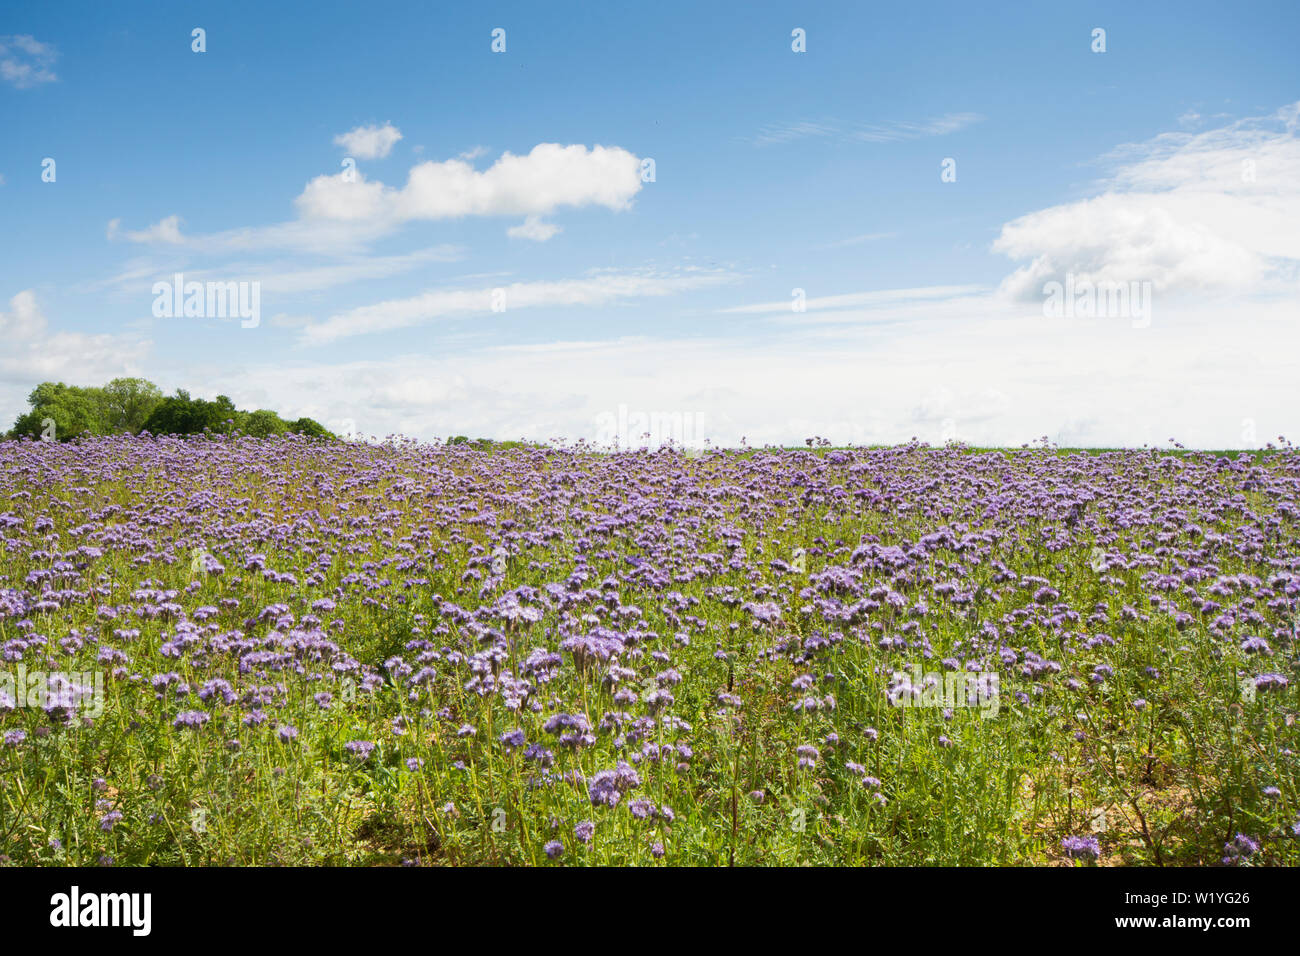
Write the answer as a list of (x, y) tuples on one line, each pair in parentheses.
[(193, 719), (1081, 847), (359, 748), (607, 787)]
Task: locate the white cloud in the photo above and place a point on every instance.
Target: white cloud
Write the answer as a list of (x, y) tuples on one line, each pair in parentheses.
[(893, 132), (337, 216), (874, 366), (23, 321), (533, 228), (858, 240), (289, 278), (1212, 211), (166, 231), (998, 377), (326, 238), (25, 61), (548, 177), (803, 129), (857, 299), (33, 353), (898, 132), (369, 142), (598, 289)]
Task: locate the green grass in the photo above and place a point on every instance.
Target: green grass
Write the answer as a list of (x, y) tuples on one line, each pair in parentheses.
[(1169, 783)]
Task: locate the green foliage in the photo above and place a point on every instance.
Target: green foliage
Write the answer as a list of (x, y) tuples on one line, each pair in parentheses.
[(311, 428), (182, 415), (264, 423), (132, 405), (1064, 752), (74, 412), (128, 403)]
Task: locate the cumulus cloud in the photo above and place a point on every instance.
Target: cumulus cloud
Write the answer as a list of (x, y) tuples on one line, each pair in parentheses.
[(533, 228), (1187, 212), (23, 321), (33, 352), (547, 178), (343, 212), (369, 142), (25, 61)]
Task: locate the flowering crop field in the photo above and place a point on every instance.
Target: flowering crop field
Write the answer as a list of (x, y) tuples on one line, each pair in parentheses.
[(286, 651)]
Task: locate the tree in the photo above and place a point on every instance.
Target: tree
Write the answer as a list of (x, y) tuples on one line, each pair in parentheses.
[(74, 412), (310, 427), (263, 423), (128, 403), (182, 415), (135, 404)]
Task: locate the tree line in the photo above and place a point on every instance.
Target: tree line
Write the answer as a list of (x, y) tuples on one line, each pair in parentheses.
[(134, 405)]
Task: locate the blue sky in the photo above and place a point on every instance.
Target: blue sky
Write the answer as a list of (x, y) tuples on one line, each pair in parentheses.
[(774, 170)]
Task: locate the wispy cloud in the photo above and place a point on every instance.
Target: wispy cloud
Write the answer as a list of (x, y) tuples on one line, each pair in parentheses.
[(593, 290), (898, 132), (288, 278), (891, 132), (858, 300), (858, 240), (25, 61), (801, 130)]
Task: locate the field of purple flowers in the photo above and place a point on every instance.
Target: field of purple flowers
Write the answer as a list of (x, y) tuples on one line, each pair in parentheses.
[(285, 651)]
